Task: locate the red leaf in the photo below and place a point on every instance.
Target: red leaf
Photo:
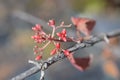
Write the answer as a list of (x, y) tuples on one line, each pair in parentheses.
[(80, 63), (84, 25)]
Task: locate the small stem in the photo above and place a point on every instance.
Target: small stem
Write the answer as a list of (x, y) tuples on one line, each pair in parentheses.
[(63, 26), (59, 40), (46, 45), (53, 32), (35, 63)]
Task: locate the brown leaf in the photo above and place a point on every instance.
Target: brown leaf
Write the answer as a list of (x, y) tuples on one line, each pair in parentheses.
[(80, 63), (107, 53), (84, 25), (110, 68), (114, 41)]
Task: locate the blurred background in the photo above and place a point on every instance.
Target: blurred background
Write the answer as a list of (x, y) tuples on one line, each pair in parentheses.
[(18, 16)]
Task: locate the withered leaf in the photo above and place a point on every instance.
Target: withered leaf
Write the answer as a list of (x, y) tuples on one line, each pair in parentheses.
[(80, 63), (84, 25)]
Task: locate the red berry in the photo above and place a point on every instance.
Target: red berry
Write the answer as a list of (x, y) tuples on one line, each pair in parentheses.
[(66, 52), (62, 35), (59, 34), (35, 51), (64, 31), (57, 45), (53, 52), (64, 39), (32, 37), (37, 27), (34, 28), (39, 57), (51, 22), (35, 46)]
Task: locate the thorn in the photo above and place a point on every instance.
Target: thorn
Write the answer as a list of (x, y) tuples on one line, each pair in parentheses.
[(106, 39), (35, 63), (42, 75)]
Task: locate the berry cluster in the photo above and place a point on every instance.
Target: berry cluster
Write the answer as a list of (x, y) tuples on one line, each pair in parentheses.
[(41, 37), (82, 25), (62, 35)]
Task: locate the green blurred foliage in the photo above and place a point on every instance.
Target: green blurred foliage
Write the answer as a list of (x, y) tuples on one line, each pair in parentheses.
[(88, 5), (47, 51), (33, 4)]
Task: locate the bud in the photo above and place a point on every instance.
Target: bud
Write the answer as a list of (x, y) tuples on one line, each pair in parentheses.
[(64, 31), (53, 52), (51, 22), (57, 45), (66, 52), (39, 57)]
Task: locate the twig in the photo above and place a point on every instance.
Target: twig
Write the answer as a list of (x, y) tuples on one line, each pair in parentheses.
[(31, 19), (87, 43)]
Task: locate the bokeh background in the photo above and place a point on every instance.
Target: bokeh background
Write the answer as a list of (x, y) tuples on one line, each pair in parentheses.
[(18, 16)]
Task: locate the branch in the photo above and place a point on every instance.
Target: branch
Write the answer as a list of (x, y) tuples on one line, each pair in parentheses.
[(86, 43), (30, 19)]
